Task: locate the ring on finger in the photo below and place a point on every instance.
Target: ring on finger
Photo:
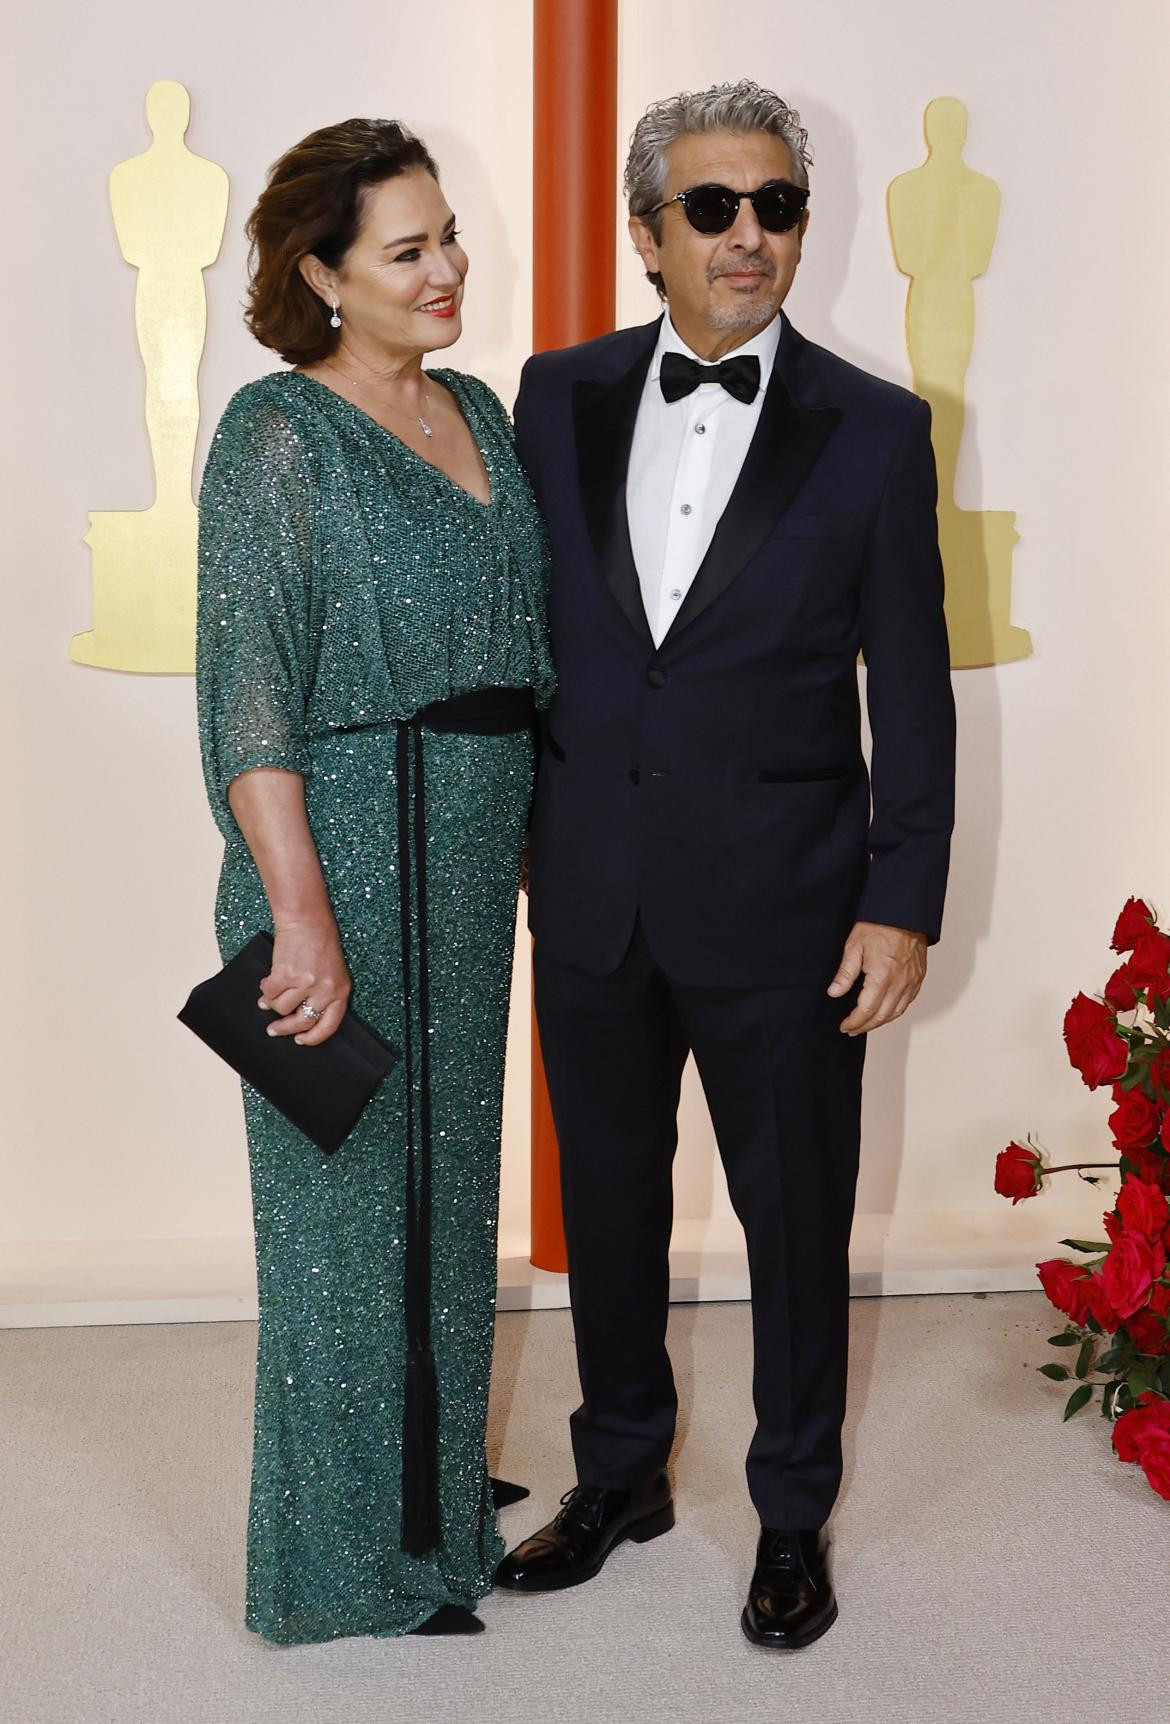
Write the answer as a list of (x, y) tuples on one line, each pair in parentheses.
[(307, 1011)]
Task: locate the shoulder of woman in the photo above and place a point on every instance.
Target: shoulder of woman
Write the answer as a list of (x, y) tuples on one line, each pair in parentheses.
[(264, 417), (262, 437), (260, 402), (478, 391)]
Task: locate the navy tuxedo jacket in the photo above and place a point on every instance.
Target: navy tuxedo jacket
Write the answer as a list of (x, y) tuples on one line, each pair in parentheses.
[(715, 786)]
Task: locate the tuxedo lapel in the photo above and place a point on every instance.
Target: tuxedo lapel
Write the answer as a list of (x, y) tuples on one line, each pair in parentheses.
[(604, 413), (788, 440)]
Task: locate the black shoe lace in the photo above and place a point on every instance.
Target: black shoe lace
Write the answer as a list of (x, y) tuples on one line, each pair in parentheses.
[(781, 1550), (581, 1509)]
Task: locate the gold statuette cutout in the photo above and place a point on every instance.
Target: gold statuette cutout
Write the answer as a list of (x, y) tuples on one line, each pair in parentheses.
[(169, 208), (943, 218)]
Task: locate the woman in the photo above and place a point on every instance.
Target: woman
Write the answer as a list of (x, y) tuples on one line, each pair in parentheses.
[(371, 648)]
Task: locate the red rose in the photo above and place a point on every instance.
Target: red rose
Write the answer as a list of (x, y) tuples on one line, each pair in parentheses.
[(1113, 1224), (1143, 1435), (1017, 1172), (1094, 1047), (1160, 1074), (1078, 1293), (1155, 1458), (1160, 1298), (1128, 1431), (1120, 990), (1092, 1293), (1148, 1333), (1135, 1120), (1135, 920), (1063, 1282), (1132, 1264), (1151, 1164), (1143, 1208), (1150, 960)]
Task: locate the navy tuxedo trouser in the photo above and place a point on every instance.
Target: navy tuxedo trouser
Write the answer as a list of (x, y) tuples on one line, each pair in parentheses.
[(784, 1090)]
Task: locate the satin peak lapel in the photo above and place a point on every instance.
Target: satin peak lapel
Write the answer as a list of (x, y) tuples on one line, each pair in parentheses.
[(787, 445), (604, 416)]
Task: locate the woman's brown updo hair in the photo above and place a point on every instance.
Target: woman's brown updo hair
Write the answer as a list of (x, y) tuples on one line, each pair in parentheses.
[(313, 202)]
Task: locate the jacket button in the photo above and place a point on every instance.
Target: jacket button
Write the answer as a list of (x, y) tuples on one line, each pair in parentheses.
[(656, 678)]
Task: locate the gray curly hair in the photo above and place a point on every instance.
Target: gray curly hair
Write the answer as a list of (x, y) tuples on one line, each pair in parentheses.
[(742, 107)]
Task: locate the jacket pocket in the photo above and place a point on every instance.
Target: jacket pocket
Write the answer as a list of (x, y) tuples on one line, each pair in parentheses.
[(801, 775)]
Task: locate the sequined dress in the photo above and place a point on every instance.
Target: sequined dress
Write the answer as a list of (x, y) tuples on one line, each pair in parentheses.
[(343, 585)]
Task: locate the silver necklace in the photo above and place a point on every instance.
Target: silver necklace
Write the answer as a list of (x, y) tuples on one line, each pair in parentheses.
[(427, 430)]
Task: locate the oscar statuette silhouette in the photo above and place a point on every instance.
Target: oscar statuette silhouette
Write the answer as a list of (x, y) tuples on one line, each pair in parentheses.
[(169, 208), (943, 219)]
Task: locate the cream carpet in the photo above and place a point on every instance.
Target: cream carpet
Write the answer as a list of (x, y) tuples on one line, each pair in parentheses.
[(990, 1564)]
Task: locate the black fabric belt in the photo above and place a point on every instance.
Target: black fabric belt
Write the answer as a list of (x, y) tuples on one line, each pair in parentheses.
[(483, 712)]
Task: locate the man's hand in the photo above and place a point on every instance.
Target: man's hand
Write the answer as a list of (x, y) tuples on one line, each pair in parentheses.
[(893, 961)]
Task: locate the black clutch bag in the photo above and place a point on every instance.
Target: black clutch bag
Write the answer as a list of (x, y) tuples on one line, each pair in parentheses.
[(321, 1090)]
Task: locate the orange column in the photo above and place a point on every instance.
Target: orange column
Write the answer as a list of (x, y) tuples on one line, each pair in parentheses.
[(574, 233)]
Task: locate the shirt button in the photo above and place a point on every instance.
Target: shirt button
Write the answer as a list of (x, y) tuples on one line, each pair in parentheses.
[(685, 510), (699, 430), (676, 592)]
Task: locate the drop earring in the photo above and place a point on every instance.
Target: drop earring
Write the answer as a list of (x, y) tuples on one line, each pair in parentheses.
[(335, 320)]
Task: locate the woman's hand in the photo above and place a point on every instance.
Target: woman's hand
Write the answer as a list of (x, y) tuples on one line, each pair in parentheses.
[(307, 964)]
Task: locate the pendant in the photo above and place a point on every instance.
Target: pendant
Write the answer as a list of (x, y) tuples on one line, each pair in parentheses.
[(426, 430)]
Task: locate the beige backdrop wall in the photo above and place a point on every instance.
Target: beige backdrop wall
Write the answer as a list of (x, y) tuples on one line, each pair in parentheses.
[(124, 1178)]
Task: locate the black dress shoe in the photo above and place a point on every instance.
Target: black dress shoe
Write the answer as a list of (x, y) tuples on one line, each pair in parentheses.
[(450, 1619), (505, 1494), (573, 1547), (791, 1601)]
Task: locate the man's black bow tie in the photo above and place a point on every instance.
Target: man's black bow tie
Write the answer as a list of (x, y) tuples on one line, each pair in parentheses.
[(739, 376)]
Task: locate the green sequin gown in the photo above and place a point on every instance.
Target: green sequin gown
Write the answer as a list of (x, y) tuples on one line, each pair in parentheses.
[(343, 584)]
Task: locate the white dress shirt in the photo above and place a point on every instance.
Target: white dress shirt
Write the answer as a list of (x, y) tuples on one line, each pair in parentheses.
[(684, 462)]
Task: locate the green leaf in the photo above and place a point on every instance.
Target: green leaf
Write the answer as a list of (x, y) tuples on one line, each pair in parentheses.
[(1085, 1358), (1070, 1338), (1078, 1399), (1058, 1373), (979, 1295), (1087, 1244), (1163, 1378), (1139, 1379)]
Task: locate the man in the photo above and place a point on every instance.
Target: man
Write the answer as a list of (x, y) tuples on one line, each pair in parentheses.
[(734, 514)]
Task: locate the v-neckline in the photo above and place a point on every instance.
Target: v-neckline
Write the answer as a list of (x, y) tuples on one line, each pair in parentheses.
[(431, 466)]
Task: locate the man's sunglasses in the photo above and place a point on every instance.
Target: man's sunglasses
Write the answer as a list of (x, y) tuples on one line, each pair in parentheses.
[(778, 204)]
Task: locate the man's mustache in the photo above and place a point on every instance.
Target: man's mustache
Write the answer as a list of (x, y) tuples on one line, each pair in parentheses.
[(757, 261)]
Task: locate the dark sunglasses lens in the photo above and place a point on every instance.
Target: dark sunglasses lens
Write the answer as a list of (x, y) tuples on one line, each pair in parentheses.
[(778, 208), (710, 209)]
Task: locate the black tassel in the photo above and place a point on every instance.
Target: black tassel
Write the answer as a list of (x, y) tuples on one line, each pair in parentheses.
[(420, 1455)]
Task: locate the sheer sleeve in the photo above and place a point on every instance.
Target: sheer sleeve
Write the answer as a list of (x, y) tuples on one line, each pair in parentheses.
[(255, 565)]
